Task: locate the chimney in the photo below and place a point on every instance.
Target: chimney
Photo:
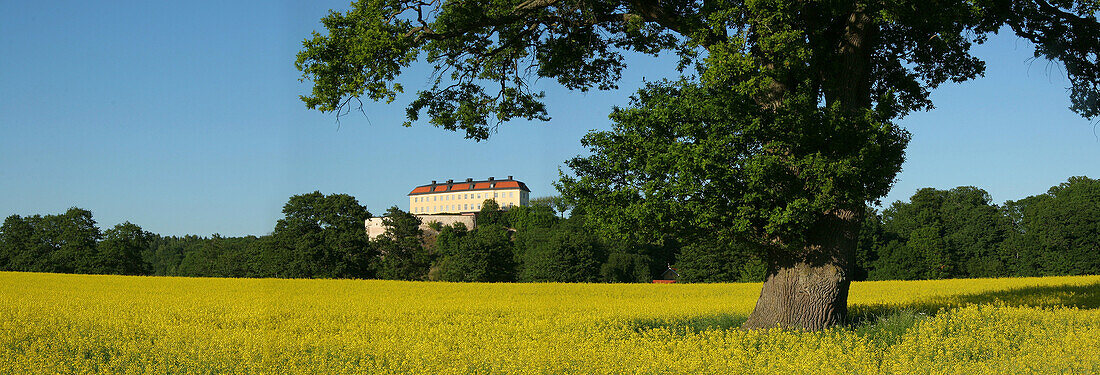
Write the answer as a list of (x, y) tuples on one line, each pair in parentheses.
[(490, 178), (509, 178)]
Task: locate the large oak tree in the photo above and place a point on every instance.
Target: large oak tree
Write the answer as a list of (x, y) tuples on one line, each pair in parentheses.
[(780, 133)]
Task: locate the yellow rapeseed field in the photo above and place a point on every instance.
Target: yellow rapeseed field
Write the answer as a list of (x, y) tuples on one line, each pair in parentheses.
[(69, 324)]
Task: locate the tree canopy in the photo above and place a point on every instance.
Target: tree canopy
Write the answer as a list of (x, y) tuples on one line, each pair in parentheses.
[(883, 54), (324, 236), (779, 132), (1057, 233)]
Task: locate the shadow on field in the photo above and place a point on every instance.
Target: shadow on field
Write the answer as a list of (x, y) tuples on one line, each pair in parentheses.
[(1080, 296), (885, 323), (690, 324)]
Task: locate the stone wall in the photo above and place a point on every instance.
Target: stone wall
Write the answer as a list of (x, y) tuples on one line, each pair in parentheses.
[(375, 228)]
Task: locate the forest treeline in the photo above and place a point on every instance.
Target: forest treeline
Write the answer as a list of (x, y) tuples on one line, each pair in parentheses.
[(936, 234), (956, 233)]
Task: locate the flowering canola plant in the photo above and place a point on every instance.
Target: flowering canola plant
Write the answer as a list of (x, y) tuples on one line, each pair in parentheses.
[(77, 324)]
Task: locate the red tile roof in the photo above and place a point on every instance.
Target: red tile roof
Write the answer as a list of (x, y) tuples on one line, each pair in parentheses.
[(466, 186)]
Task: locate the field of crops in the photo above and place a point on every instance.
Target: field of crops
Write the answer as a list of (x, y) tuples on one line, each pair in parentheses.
[(114, 324)]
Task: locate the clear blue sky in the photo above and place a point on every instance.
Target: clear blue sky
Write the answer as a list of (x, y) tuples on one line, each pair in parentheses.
[(184, 118)]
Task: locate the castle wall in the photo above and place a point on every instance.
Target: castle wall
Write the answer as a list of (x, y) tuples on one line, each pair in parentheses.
[(375, 228)]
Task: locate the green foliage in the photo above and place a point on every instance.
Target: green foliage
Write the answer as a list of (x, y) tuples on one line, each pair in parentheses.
[(436, 226), (947, 233), (52, 243), (872, 238), (523, 218), (121, 249), (325, 236), (558, 203), (959, 233), (72, 239), (708, 262), (626, 267), (754, 270), (1057, 233), (896, 262), (937, 234), (566, 252), (782, 128), (882, 55), (17, 247), (714, 261), (491, 214), (164, 254), (402, 255), (217, 256), (679, 165), (481, 255)]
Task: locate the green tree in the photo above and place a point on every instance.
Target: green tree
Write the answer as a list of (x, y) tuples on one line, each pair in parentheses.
[(326, 236), (217, 256), (558, 203), (402, 255), (952, 233), (565, 252), (17, 245), (481, 255), (715, 261), (120, 251), (64, 243), (490, 214), (1057, 233), (872, 238), (974, 229), (201, 257), (166, 254), (1021, 251), (781, 133), (73, 237), (524, 218), (626, 267), (270, 256), (896, 261)]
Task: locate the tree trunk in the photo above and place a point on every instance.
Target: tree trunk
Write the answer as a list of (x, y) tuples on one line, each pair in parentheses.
[(808, 289)]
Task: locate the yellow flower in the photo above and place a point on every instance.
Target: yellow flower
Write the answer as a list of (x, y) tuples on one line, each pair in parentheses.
[(116, 324)]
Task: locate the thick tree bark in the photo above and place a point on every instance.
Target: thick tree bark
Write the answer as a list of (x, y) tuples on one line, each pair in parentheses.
[(808, 288)]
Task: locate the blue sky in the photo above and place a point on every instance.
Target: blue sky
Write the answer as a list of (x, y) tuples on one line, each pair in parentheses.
[(184, 118)]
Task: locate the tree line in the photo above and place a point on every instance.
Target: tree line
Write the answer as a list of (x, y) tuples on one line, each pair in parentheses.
[(937, 234), (323, 236), (956, 233), (319, 237)]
